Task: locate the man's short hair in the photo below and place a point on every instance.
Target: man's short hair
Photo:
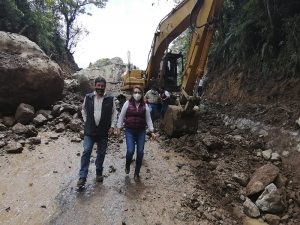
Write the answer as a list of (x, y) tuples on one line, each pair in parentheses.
[(100, 79), (154, 87)]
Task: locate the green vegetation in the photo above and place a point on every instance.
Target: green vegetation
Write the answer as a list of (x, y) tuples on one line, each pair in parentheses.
[(101, 62), (49, 23), (256, 35)]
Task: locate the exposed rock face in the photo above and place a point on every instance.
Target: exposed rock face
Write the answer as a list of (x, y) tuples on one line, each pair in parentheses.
[(111, 73), (28, 74)]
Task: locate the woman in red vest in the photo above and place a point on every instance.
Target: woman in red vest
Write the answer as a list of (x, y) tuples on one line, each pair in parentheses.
[(135, 115)]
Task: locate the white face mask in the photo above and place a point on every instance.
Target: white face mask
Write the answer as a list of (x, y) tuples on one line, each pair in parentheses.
[(137, 97)]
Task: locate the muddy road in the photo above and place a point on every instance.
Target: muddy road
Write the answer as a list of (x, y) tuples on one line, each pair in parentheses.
[(186, 180), (38, 186)]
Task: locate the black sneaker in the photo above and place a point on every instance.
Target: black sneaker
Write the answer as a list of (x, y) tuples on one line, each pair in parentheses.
[(81, 181), (99, 176), (136, 178)]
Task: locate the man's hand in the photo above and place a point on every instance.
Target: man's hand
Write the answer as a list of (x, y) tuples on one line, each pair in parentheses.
[(110, 131)]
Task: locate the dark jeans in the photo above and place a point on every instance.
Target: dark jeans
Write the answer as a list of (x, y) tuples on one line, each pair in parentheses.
[(153, 111), (135, 136), (199, 90), (163, 110), (88, 144)]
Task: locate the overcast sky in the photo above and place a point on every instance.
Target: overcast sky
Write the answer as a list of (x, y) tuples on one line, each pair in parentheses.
[(124, 25)]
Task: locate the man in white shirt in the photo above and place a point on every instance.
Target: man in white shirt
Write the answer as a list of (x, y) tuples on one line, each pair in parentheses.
[(100, 116), (200, 88)]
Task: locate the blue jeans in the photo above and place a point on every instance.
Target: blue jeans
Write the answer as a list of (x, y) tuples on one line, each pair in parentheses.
[(153, 111), (135, 136), (88, 144), (163, 110)]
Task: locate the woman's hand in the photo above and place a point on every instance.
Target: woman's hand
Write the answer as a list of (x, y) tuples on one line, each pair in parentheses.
[(153, 136), (118, 132)]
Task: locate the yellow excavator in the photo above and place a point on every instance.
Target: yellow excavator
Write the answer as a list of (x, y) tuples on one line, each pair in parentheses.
[(202, 17)]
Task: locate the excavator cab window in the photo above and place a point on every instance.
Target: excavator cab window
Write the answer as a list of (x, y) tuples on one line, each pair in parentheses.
[(172, 64)]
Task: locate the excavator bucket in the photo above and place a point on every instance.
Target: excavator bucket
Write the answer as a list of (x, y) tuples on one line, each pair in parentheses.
[(178, 122)]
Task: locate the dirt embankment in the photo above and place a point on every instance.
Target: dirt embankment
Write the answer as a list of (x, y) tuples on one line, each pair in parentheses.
[(238, 87)]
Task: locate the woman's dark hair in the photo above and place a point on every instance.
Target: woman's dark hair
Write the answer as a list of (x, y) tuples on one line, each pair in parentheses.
[(142, 93)]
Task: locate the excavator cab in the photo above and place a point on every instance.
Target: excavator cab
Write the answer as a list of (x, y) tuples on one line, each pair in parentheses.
[(170, 74)]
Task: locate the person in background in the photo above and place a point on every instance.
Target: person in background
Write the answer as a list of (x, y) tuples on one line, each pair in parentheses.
[(199, 90), (135, 115), (166, 100), (152, 99), (99, 115)]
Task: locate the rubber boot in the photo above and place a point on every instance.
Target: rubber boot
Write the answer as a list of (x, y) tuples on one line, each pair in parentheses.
[(81, 181), (99, 176)]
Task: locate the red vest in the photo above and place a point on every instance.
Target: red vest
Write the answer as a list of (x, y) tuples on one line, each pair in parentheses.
[(135, 117), (163, 96)]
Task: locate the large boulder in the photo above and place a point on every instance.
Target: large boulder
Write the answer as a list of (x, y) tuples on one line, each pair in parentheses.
[(112, 73), (27, 74)]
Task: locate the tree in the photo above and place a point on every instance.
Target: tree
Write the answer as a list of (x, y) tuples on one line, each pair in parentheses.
[(33, 19), (182, 43), (101, 62), (70, 10)]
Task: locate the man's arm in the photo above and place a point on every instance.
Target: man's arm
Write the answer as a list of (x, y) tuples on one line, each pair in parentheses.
[(113, 119), (83, 110), (114, 115), (167, 94), (146, 97)]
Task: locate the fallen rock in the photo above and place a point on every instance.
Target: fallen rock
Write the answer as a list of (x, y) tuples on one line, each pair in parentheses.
[(35, 140), (76, 125), (2, 127), (262, 177), (45, 113), (39, 120), (60, 128), (270, 200), (280, 181), (8, 120), (54, 136), (31, 131), (250, 209), (212, 142), (267, 154), (13, 147), (272, 219), (76, 139), (241, 179), (19, 129), (24, 114), (38, 79)]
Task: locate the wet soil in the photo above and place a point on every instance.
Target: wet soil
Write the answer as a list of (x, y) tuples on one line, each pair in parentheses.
[(38, 187), (183, 181)]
